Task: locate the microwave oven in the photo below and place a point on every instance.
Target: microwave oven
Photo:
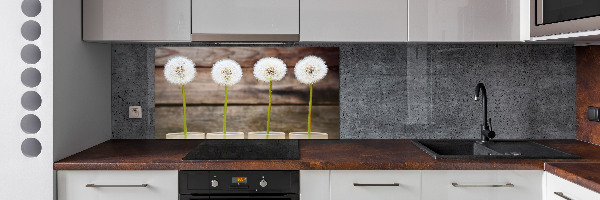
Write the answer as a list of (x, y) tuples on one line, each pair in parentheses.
[(564, 17)]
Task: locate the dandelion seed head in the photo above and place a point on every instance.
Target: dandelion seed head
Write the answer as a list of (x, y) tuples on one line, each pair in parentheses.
[(180, 70), (226, 72), (310, 69), (270, 69)]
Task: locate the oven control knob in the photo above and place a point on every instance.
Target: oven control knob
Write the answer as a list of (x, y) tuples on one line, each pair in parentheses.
[(263, 183), (214, 183)]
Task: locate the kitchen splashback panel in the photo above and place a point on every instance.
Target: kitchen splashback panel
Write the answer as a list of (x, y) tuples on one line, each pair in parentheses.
[(407, 90)]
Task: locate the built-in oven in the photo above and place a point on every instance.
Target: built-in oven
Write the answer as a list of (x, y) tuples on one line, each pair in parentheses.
[(233, 185), (554, 17)]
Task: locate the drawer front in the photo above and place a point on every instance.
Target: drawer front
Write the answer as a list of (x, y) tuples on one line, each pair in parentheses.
[(566, 190), (117, 185), (380, 185), (482, 184)]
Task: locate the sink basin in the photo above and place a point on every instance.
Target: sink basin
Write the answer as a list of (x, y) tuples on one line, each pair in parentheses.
[(494, 149)]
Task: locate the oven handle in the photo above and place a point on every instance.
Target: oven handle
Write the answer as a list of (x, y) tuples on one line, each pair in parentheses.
[(191, 197)]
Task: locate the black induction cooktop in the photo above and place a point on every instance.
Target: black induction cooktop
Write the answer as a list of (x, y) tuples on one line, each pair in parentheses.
[(245, 150)]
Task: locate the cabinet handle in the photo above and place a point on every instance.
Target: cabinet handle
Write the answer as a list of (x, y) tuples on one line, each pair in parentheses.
[(505, 185), (560, 194), (94, 185), (362, 184)]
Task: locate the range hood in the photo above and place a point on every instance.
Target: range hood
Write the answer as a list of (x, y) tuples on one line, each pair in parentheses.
[(246, 21)]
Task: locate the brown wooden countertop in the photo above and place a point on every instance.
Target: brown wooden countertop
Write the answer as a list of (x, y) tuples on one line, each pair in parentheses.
[(314, 155), (581, 173)]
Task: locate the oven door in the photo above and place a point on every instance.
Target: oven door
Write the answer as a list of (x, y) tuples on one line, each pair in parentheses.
[(236, 197)]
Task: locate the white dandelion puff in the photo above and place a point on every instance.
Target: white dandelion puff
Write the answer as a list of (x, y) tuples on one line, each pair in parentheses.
[(180, 70), (310, 69), (270, 69), (226, 72)]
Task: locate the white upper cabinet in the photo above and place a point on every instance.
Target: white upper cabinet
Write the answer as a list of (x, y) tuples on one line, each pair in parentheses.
[(354, 20), (468, 20), (245, 20), (307, 20), (136, 20)]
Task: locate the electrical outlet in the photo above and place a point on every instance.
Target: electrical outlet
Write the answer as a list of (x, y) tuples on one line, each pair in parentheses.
[(135, 112)]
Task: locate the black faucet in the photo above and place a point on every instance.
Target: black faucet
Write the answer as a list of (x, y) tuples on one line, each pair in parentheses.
[(486, 129)]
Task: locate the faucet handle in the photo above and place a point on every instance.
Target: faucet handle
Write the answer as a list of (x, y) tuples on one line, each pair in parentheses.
[(491, 124)]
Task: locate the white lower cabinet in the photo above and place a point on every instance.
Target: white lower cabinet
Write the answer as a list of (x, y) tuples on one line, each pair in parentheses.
[(314, 184), (561, 189), (117, 185), (341, 185), (375, 185), (482, 184)]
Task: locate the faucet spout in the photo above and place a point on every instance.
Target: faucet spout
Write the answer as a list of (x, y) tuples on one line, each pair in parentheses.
[(486, 132), (481, 88)]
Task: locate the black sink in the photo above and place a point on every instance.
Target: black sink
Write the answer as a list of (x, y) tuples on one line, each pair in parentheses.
[(492, 149)]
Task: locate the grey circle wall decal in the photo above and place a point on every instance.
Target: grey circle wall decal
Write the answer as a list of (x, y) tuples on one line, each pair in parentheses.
[(31, 8), (31, 30), (31, 100), (31, 124), (31, 77), (31, 54), (31, 147)]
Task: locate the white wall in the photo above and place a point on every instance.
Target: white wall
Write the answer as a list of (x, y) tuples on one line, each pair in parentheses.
[(24, 177), (82, 84), (75, 91)]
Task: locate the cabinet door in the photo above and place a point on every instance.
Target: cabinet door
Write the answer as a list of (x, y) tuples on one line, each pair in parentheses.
[(354, 20), (314, 185), (117, 185), (561, 189), (136, 20), (379, 185), (468, 20), (482, 184), (244, 17)]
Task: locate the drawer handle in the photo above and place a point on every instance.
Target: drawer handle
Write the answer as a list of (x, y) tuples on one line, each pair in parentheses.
[(560, 194), (377, 185), (505, 185), (94, 185)]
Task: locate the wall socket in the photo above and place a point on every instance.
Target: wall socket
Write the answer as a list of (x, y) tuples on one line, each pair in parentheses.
[(135, 112)]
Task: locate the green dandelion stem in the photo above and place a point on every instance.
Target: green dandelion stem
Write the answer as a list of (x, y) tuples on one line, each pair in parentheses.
[(225, 113), (310, 108), (184, 115), (269, 112)]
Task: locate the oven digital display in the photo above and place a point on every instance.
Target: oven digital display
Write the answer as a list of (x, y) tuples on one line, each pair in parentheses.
[(239, 180)]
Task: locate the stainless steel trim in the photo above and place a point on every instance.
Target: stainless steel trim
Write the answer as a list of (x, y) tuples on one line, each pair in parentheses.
[(505, 185), (377, 185), (245, 37), (573, 26), (94, 185), (539, 12), (560, 194)]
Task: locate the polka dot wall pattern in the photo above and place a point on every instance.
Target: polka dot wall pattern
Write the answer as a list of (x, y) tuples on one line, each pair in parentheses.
[(31, 78)]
